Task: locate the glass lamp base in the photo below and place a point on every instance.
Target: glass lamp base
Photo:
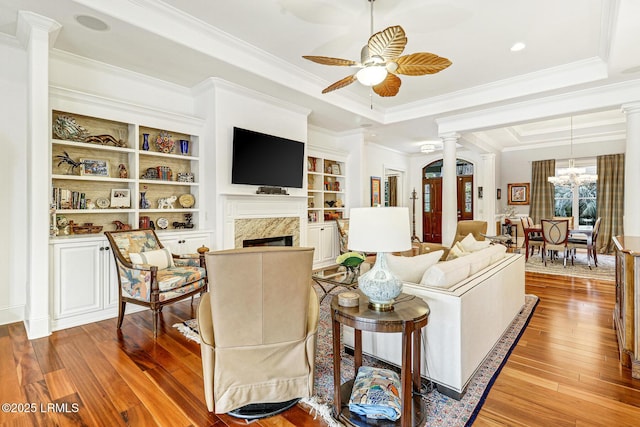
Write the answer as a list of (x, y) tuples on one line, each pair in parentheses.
[(380, 285)]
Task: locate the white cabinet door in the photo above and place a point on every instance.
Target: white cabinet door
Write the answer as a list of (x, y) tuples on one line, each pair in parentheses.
[(77, 278), (324, 239), (328, 245), (313, 240)]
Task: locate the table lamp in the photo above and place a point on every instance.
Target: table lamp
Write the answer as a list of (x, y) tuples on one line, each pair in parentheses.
[(380, 230)]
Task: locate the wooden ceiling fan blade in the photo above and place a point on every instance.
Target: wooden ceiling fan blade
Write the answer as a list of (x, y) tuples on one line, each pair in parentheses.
[(421, 63), (388, 43), (389, 86), (327, 60), (340, 83)]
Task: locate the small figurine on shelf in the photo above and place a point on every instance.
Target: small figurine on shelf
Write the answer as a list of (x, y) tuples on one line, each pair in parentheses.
[(122, 171), (65, 159), (121, 225), (167, 202), (188, 218)]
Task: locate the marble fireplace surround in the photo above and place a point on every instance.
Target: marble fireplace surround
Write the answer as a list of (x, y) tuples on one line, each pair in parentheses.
[(250, 216)]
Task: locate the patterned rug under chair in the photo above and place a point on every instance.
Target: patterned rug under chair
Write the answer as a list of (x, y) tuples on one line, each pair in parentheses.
[(441, 410)]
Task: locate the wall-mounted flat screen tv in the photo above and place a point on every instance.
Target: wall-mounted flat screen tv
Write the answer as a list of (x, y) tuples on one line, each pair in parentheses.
[(261, 159)]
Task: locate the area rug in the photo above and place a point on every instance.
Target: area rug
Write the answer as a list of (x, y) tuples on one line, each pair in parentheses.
[(441, 410), (606, 269)]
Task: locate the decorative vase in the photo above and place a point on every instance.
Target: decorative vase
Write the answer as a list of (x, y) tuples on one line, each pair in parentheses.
[(184, 146), (144, 203), (145, 141)]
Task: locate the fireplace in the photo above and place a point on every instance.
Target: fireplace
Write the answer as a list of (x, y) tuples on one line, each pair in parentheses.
[(247, 217), (269, 241), (247, 229)]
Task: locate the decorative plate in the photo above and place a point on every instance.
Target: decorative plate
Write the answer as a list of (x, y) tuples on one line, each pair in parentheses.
[(102, 202), (187, 200), (162, 223), (164, 143)]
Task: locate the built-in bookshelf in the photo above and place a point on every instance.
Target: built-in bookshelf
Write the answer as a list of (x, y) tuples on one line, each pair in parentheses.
[(106, 173), (325, 189)]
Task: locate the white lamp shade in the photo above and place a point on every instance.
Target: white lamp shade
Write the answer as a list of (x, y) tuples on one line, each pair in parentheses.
[(382, 229)]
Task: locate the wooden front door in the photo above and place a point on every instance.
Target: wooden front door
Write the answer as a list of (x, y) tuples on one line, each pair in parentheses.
[(465, 197), (432, 210)]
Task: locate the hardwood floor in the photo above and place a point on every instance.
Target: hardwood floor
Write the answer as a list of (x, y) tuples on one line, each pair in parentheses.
[(563, 372)]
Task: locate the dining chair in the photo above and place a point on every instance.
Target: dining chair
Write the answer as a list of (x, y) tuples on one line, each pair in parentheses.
[(555, 234), (588, 243), (534, 239)]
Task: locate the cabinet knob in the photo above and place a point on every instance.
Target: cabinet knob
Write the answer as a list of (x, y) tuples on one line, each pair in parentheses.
[(102, 248), (106, 248)]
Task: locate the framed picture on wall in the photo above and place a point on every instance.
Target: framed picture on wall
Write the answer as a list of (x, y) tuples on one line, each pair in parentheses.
[(518, 194), (375, 190)]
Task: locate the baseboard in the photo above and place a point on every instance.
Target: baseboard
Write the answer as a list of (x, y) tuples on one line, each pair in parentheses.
[(12, 314)]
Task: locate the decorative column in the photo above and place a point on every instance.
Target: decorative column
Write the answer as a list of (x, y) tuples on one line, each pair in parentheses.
[(37, 34), (631, 170), (449, 188), (487, 206)]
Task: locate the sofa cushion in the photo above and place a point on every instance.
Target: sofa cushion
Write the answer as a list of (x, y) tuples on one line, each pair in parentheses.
[(447, 273), (496, 252), (161, 258), (478, 260), (410, 269), (470, 244)]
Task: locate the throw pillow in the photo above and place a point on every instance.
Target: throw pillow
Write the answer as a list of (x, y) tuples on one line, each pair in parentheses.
[(470, 244), (446, 274), (411, 268), (457, 251), (376, 394), (161, 258)]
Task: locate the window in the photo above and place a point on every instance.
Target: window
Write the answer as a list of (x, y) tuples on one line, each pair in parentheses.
[(582, 201)]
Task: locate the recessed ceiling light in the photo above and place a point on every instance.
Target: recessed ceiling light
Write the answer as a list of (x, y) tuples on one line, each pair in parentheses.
[(91, 22), (517, 47), (428, 148)]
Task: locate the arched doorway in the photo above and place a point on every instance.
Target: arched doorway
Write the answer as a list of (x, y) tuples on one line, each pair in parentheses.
[(432, 197)]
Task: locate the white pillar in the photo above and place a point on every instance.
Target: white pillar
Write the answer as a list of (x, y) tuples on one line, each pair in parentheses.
[(487, 206), (37, 33), (631, 170), (449, 188)]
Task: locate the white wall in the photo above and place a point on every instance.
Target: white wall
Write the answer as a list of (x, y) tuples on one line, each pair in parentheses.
[(376, 159), (13, 166), (237, 106)]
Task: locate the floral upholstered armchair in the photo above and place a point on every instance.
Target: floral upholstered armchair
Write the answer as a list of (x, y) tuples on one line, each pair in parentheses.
[(150, 275)]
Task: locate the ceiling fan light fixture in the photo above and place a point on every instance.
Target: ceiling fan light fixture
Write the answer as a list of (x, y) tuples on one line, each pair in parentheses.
[(372, 75)]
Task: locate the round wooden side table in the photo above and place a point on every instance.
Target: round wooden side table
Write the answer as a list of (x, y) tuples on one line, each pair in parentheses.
[(409, 315)]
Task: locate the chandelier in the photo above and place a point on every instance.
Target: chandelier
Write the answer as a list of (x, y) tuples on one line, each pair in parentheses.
[(572, 176)]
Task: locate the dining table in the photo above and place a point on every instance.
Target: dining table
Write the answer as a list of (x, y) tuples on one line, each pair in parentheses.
[(537, 228)]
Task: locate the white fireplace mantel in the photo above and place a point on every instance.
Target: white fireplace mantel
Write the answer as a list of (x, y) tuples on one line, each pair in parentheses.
[(244, 206)]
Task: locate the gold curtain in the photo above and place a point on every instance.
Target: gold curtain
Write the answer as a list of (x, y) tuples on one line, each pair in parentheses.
[(610, 200), (542, 191), (393, 191)]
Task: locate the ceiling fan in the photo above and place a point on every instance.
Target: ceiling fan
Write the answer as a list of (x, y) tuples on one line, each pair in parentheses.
[(380, 62)]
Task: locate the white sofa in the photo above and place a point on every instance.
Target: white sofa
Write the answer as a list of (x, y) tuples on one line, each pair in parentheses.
[(467, 319)]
